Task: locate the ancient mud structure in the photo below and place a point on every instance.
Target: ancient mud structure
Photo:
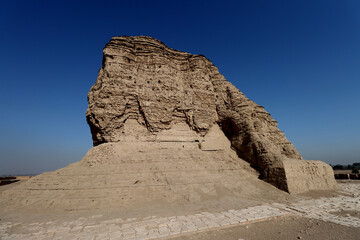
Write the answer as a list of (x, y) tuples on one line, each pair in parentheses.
[(168, 128), (143, 81)]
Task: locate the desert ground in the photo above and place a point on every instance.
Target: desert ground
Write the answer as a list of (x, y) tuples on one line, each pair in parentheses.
[(313, 215)]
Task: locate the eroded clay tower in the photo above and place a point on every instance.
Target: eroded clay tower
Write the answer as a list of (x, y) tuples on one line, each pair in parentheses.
[(148, 87), (168, 128)]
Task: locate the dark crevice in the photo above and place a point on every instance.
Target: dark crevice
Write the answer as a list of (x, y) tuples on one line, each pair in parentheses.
[(246, 150), (94, 129), (229, 127), (142, 113)]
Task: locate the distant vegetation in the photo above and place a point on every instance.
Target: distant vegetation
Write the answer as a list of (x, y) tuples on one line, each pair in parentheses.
[(355, 167), (18, 174)]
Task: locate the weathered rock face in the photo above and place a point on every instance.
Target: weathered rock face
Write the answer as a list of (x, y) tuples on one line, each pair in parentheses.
[(170, 131), (144, 80)]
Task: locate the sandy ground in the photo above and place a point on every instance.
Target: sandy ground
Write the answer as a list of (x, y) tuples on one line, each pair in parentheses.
[(281, 228), (314, 215)]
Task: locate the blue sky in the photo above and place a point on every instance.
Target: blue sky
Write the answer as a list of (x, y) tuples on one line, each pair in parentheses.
[(298, 59)]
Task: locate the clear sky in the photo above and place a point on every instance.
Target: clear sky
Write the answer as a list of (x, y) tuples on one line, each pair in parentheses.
[(299, 59)]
